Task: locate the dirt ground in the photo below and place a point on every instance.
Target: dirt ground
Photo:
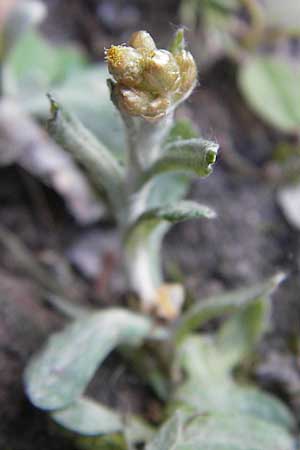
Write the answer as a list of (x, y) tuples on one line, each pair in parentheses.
[(250, 239)]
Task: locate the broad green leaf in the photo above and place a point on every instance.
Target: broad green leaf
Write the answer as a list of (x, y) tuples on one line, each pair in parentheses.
[(36, 64), (271, 87), (59, 374), (22, 17), (102, 168), (89, 418), (192, 155), (216, 306)]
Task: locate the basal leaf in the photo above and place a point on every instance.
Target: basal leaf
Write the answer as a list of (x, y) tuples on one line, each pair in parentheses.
[(89, 418), (58, 375)]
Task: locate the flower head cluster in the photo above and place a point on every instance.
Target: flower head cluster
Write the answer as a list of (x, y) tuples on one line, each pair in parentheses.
[(150, 81)]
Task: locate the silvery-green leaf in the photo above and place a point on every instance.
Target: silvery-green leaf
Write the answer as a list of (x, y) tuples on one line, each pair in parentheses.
[(169, 435), (288, 198), (89, 418), (95, 111), (36, 64), (23, 16), (58, 375), (271, 88), (190, 155), (233, 432), (216, 306), (240, 334), (183, 210), (102, 168), (215, 431), (210, 387)]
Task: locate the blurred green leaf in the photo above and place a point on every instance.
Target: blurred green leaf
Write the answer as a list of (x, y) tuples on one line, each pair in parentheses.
[(36, 64), (88, 418), (214, 431), (210, 308), (85, 94), (22, 17), (58, 375), (210, 387), (271, 88)]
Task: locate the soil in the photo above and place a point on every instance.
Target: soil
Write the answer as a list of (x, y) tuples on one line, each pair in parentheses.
[(250, 239)]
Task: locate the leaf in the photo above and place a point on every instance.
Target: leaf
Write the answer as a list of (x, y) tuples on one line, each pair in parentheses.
[(210, 308), (36, 64), (271, 88), (58, 375), (184, 210), (21, 18), (288, 198), (191, 155), (95, 111), (169, 434), (88, 418), (223, 432), (101, 166), (210, 387), (219, 432), (241, 333)]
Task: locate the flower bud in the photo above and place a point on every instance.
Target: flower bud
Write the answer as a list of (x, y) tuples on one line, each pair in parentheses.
[(125, 65), (139, 103), (142, 40), (161, 73), (188, 71)]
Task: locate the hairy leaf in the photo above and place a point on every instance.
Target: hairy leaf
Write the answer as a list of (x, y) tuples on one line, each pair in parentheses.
[(101, 166), (58, 375), (216, 306), (191, 155)]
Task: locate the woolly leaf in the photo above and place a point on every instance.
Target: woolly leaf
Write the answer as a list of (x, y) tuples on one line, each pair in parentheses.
[(216, 306), (184, 210), (58, 375), (101, 166), (88, 418), (192, 155)]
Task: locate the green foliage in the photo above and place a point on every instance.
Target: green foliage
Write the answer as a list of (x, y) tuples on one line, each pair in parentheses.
[(59, 374), (271, 87)]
